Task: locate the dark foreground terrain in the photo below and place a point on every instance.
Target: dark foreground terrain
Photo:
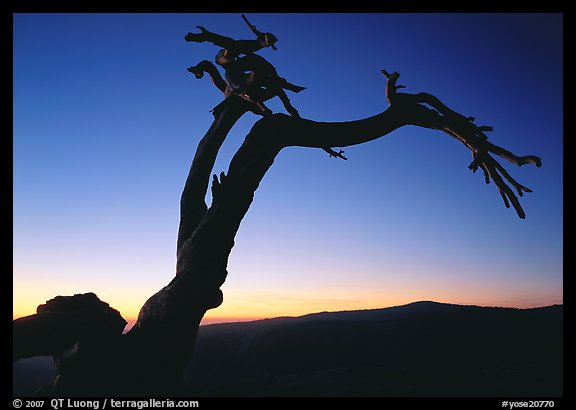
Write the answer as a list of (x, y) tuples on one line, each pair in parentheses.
[(420, 349)]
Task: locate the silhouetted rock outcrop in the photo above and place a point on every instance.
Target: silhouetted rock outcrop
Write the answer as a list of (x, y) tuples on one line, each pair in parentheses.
[(62, 323), (75, 331)]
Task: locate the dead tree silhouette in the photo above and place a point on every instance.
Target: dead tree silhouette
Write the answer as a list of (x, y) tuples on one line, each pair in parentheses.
[(84, 334)]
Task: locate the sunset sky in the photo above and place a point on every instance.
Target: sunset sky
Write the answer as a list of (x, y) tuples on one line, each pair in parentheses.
[(106, 120)]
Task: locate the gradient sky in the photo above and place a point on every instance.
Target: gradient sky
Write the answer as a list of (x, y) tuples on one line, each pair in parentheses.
[(107, 119)]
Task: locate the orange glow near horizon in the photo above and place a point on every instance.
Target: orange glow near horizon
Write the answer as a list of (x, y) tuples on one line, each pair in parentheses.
[(245, 305)]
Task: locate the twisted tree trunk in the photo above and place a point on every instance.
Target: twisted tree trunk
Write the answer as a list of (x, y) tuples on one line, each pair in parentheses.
[(151, 356)]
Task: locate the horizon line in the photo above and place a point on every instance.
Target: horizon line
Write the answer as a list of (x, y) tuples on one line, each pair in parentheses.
[(207, 321), (229, 319)]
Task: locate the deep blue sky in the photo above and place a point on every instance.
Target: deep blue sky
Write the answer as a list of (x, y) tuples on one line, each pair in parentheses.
[(107, 119)]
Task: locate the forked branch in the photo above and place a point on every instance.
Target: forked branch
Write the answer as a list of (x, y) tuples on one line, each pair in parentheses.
[(474, 138)]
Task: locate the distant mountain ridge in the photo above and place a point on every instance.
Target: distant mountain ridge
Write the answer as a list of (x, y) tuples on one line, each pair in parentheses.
[(420, 349), (377, 313)]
